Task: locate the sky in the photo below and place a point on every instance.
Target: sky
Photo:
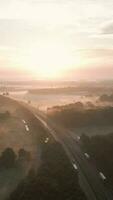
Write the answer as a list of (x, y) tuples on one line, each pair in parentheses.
[(56, 39)]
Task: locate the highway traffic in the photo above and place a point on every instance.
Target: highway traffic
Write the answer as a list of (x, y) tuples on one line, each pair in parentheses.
[(91, 180)]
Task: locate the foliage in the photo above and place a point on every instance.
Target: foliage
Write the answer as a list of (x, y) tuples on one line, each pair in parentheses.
[(56, 179), (72, 117), (101, 150)]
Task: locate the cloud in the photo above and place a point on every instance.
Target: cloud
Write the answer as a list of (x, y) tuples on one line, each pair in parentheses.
[(107, 28), (96, 53)]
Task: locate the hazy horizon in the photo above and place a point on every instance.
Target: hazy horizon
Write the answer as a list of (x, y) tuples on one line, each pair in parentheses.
[(56, 40)]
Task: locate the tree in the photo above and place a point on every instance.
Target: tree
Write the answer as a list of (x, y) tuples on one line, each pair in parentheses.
[(8, 158)]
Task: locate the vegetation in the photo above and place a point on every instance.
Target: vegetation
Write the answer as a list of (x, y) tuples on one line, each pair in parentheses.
[(55, 179), (13, 168), (106, 98), (9, 159), (101, 150), (94, 88), (54, 91), (75, 115)]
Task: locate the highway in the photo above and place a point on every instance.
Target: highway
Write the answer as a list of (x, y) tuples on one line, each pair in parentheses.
[(92, 180), (92, 183)]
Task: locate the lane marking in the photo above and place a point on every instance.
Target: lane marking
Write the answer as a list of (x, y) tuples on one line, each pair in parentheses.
[(47, 127)]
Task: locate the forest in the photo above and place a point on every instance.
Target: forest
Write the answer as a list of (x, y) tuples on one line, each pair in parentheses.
[(55, 179)]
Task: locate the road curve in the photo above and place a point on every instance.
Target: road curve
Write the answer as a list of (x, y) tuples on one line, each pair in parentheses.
[(94, 187), (92, 184)]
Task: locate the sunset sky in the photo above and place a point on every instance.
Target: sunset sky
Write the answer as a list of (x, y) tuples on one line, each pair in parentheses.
[(56, 39)]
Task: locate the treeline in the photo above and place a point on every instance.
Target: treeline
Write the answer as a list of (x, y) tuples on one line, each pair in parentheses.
[(100, 149), (54, 91), (72, 116), (9, 159), (55, 179), (72, 106), (106, 98), (73, 90)]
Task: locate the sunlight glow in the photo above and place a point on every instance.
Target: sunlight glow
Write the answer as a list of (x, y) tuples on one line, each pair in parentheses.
[(49, 61), (51, 39)]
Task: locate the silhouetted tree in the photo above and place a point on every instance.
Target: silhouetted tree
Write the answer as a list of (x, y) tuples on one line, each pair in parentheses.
[(23, 155), (55, 180), (8, 158)]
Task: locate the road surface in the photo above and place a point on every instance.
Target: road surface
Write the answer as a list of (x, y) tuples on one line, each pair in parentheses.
[(93, 185), (90, 178)]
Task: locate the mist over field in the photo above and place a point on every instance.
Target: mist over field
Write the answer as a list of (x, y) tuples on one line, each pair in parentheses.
[(56, 100), (83, 108), (19, 150)]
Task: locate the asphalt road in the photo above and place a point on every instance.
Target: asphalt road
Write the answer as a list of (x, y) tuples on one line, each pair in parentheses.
[(92, 183)]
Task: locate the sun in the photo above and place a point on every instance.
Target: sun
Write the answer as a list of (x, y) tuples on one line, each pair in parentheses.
[(49, 61)]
